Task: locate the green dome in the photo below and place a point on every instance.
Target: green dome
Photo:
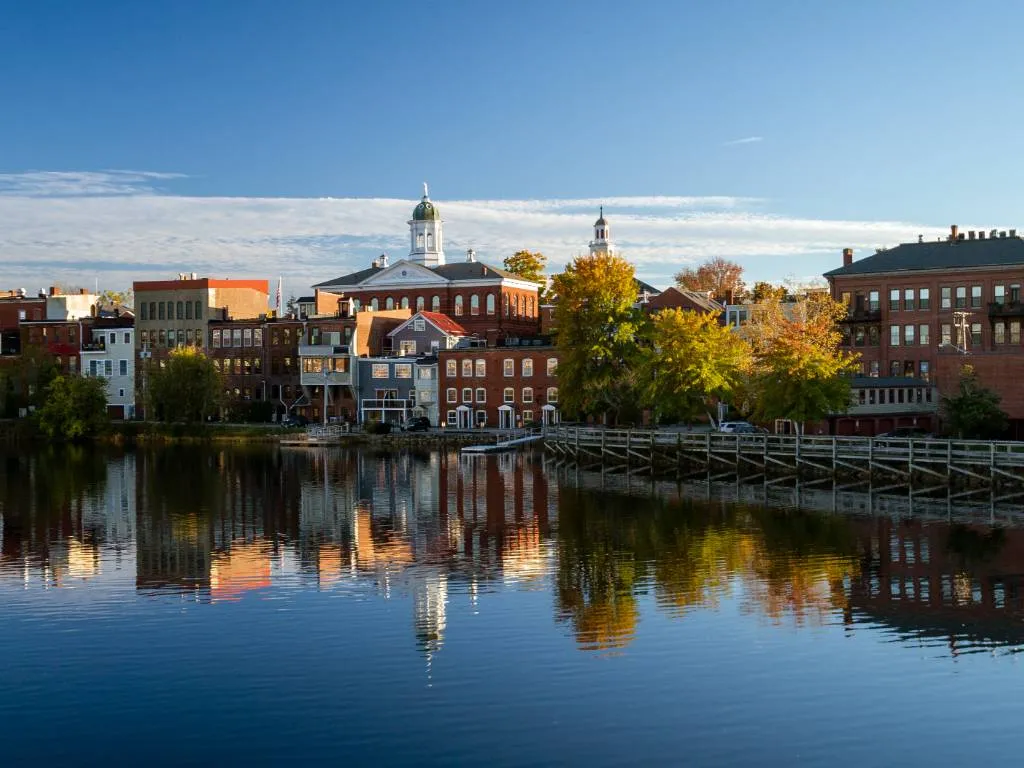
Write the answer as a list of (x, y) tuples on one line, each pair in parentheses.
[(425, 211)]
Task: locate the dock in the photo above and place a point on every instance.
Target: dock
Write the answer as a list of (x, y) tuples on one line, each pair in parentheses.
[(509, 444)]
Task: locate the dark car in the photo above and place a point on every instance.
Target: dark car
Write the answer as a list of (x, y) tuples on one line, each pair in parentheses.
[(295, 420), (417, 424), (916, 433)]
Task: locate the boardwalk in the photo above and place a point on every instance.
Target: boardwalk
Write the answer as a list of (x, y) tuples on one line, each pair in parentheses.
[(923, 464)]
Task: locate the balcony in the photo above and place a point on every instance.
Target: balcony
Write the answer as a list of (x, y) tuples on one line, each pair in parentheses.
[(95, 346), (323, 350), (387, 404), (1006, 309), (863, 316)]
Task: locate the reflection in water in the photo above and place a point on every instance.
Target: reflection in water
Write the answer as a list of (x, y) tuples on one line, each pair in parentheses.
[(432, 527)]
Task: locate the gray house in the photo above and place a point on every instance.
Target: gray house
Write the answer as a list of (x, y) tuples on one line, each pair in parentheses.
[(425, 333), (396, 389)]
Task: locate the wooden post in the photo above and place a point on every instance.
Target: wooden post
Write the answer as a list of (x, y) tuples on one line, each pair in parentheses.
[(629, 447), (604, 434), (652, 450)]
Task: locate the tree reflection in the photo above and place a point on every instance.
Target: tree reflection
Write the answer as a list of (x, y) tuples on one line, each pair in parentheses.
[(780, 564)]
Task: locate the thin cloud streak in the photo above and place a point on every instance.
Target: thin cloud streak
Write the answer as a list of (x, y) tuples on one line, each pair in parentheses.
[(746, 140)]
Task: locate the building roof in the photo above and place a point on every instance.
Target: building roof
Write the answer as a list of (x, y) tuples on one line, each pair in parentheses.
[(425, 211), (455, 272), (440, 321), (305, 300), (944, 255), (352, 278), (641, 286), (674, 296)]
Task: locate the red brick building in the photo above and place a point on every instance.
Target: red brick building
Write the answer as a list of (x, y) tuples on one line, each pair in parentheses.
[(61, 339), (504, 386), (918, 311), (15, 308)]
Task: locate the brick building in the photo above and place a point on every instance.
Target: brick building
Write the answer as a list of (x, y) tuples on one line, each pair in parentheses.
[(918, 311), (61, 339), (488, 301), (15, 308), (503, 386)]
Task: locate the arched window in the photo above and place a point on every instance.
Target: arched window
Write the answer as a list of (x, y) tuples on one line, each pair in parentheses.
[(374, 304), (421, 304), (389, 303), (405, 302), (430, 241), (474, 305), (435, 304), (419, 239), (552, 395), (490, 303), (504, 303), (355, 305), (458, 306)]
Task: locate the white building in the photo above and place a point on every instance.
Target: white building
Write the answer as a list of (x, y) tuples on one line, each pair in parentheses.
[(109, 353), (70, 306)]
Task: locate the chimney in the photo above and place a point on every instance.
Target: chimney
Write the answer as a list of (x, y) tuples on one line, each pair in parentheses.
[(728, 296), (1002, 234), (920, 238), (1013, 233), (53, 290), (470, 255), (81, 292), (981, 234), (992, 234), (971, 234), (953, 233), (847, 257)]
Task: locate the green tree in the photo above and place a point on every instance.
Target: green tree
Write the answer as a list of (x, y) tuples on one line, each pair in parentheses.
[(24, 380), (973, 412), (75, 408), (692, 359), (799, 373), (723, 278), (596, 334), (765, 291), (529, 266), (188, 388)]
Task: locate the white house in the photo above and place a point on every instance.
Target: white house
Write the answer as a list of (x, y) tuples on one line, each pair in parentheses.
[(108, 352)]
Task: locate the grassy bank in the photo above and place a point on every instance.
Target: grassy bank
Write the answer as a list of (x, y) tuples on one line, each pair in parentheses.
[(155, 432)]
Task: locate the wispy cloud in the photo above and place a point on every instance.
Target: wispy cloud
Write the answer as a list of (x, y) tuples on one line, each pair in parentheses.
[(77, 227), (745, 140)]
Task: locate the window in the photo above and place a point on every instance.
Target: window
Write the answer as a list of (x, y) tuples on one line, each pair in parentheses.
[(505, 304), (509, 395), (873, 370), (908, 299), (181, 337), (217, 336), (380, 370), (858, 335), (871, 396), (419, 324), (509, 367), (162, 311), (527, 417), (451, 417), (467, 395), (908, 335), (435, 303), (894, 335), (923, 334), (180, 310), (247, 337), (257, 337), (120, 393), (975, 296), (458, 305), (389, 303), (999, 332), (236, 337), (874, 303), (451, 368), (527, 367), (924, 370), (552, 366), (163, 337), (407, 348), (999, 294), (374, 304), (474, 304), (873, 335), (481, 395), (481, 418), (1014, 293), (452, 395), (961, 296), (1015, 331), (403, 370), (108, 368), (467, 367), (975, 334), (552, 395), (199, 310), (923, 298), (188, 336), (171, 336), (490, 303), (895, 367), (188, 310), (908, 370), (425, 373), (527, 394), (894, 300), (946, 334), (127, 337), (845, 298), (946, 297), (143, 307)]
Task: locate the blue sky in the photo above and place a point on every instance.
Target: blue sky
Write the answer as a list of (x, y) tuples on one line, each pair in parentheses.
[(866, 124)]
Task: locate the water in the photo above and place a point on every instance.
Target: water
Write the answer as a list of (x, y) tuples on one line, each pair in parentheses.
[(249, 606)]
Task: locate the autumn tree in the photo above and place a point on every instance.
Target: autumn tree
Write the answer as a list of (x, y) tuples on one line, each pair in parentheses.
[(188, 388), (692, 359), (118, 298), (799, 372), (764, 291), (529, 266), (973, 412), (596, 336), (719, 276), (75, 408)]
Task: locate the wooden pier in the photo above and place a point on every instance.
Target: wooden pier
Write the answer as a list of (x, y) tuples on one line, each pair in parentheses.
[(924, 465)]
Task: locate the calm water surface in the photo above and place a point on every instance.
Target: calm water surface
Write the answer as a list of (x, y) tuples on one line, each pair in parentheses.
[(259, 607)]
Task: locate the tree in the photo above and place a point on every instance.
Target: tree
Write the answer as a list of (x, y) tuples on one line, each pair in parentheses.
[(799, 373), (720, 276), (24, 380), (973, 412), (692, 359), (118, 298), (596, 336), (188, 388), (530, 267), (75, 408), (765, 291)]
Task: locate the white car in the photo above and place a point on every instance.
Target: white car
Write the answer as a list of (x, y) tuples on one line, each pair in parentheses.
[(737, 427)]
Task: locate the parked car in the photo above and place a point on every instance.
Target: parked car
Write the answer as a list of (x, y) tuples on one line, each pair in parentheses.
[(737, 427), (417, 424), (295, 420), (916, 433)]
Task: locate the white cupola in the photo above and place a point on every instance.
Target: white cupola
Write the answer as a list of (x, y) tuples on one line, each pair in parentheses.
[(426, 239), (602, 242)]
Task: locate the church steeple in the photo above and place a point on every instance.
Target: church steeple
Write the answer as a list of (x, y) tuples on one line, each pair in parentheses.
[(602, 242), (426, 237)]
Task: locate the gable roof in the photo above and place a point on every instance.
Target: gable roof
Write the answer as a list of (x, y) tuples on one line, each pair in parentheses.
[(674, 296), (641, 286), (947, 254), (440, 321), (455, 272), (353, 278)]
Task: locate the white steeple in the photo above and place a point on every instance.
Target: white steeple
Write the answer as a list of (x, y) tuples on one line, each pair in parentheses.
[(426, 236), (602, 242)]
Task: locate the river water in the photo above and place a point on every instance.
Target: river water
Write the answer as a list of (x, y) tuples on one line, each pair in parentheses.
[(196, 605)]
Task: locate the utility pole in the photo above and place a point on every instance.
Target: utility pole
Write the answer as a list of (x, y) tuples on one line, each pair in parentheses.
[(960, 321)]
